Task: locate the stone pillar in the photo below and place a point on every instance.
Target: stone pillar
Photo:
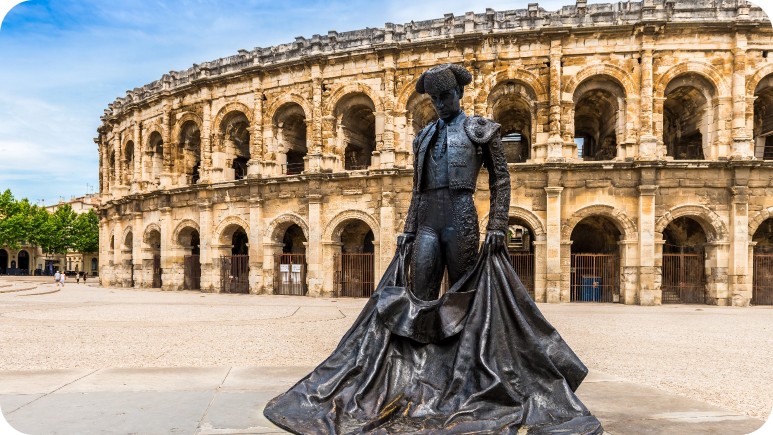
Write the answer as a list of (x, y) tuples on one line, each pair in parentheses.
[(716, 272), (138, 154), (166, 173), (117, 251), (555, 142), (256, 138), (167, 276), (104, 245), (319, 156), (330, 249), (205, 246), (540, 270), (742, 143), (270, 250), (206, 137), (137, 227), (649, 292), (315, 272), (387, 239), (740, 270), (256, 243), (649, 148), (554, 248)]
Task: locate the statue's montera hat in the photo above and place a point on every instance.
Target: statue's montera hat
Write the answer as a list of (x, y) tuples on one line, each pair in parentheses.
[(443, 78)]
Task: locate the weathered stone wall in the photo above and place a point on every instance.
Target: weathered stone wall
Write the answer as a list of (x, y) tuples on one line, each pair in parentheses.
[(643, 86)]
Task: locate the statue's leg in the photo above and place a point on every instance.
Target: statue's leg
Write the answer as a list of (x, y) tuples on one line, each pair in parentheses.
[(427, 265)]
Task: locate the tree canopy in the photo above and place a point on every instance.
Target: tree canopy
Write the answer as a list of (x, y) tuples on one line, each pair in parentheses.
[(55, 233)]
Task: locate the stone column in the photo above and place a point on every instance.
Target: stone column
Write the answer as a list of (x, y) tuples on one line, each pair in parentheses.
[(117, 251), (315, 275), (555, 142), (318, 157), (649, 292), (716, 272), (553, 257), (137, 227), (742, 143), (205, 246), (256, 138), (387, 236), (104, 244), (270, 250), (740, 270), (206, 137), (166, 173), (117, 172), (166, 248), (540, 270), (256, 243), (137, 169), (649, 149)]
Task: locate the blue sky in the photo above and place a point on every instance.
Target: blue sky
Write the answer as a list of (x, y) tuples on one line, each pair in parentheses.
[(62, 62)]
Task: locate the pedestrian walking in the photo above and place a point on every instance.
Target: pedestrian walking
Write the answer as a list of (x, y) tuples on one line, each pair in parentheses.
[(77, 277), (56, 278), (85, 274), (62, 279)]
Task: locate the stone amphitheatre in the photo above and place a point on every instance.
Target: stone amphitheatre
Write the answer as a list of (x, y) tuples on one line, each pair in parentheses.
[(637, 136)]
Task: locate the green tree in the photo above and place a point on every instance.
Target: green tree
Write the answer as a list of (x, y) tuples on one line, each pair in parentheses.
[(86, 232), (59, 231)]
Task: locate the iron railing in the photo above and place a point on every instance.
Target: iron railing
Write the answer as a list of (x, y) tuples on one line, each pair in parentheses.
[(157, 271), (290, 274), (293, 168), (354, 275), (682, 281), (192, 272), (523, 264), (595, 278), (763, 280), (235, 273)]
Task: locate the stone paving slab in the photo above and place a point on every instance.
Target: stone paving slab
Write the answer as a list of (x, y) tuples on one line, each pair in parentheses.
[(230, 400)]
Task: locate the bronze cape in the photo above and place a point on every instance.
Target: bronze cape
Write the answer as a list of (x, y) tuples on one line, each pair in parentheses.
[(480, 359)]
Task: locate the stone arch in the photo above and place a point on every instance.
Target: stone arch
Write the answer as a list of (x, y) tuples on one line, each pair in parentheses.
[(111, 240), (620, 75), (712, 224), (289, 97), (148, 132), (126, 139), (233, 106), (756, 78), (187, 116), (702, 69), (146, 236), (405, 94), (125, 234), (758, 219), (183, 225), (624, 224), (521, 213), (523, 76), (276, 228), (334, 227), (227, 227), (353, 88)]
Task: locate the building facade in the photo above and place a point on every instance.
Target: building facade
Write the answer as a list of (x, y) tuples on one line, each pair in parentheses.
[(636, 136)]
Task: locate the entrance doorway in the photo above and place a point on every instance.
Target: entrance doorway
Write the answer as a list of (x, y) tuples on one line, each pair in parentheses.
[(189, 239), (290, 274), (683, 279), (24, 262), (3, 261), (595, 261), (521, 251), (235, 270), (354, 265), (762, 292)]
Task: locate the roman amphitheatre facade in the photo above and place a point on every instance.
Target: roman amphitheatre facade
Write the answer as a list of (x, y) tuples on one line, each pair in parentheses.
[(637, 136)]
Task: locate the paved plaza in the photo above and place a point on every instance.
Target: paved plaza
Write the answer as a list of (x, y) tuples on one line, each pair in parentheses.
[(109, 360)]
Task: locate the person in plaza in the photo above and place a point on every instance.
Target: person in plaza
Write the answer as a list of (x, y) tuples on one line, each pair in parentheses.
[(481, 358), (56, 278), (77, 277), (85, 275), (62, 278)]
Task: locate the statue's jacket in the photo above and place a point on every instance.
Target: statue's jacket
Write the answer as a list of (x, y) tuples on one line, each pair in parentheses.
[(471, 143)]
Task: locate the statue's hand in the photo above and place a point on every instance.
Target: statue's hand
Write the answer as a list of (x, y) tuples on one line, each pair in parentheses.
[(495, 239), (404, 239)]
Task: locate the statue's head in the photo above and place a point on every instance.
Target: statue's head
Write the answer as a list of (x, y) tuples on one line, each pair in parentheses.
[(444, 84)]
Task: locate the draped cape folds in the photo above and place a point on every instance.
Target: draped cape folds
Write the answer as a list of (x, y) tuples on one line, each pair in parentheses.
[(480, 359)]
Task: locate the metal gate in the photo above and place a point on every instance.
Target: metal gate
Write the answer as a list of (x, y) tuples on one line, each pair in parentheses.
[(157, 271), (682, 281), (354, 275), (523, 263), (234, 274), (595, 278), (763, 280), (290, 274), (132, 277), (192, 272)]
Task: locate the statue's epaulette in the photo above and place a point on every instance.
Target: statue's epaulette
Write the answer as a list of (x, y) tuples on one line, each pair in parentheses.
[(420, 136), (480, 129)]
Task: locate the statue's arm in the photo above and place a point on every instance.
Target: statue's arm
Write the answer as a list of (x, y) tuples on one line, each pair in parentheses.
[(499, 184)]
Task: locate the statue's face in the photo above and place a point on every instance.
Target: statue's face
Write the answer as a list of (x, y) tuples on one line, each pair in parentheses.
[(446, 103)]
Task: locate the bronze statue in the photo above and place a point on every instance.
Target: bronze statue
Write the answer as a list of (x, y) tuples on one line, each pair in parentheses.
[(479, 359)]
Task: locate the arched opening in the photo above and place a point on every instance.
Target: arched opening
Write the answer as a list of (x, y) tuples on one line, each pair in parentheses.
[(234, 260), (683, 279), (127, 260), (355, 263), (291, 263), (94, 267), (520, 236), (235, 128), (111, 170), (151, 259), (599, 119), (595, 261), (3, 261), (688, 117), (128, 169), (512, 107), (156, 161), (187, 161), (290, 127), (763, 119), (188, 238), (24, 262), (419, 113), (762, 292), (356, 131)]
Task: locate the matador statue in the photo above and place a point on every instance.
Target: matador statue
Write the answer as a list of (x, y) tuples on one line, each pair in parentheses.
[(448, 153)]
